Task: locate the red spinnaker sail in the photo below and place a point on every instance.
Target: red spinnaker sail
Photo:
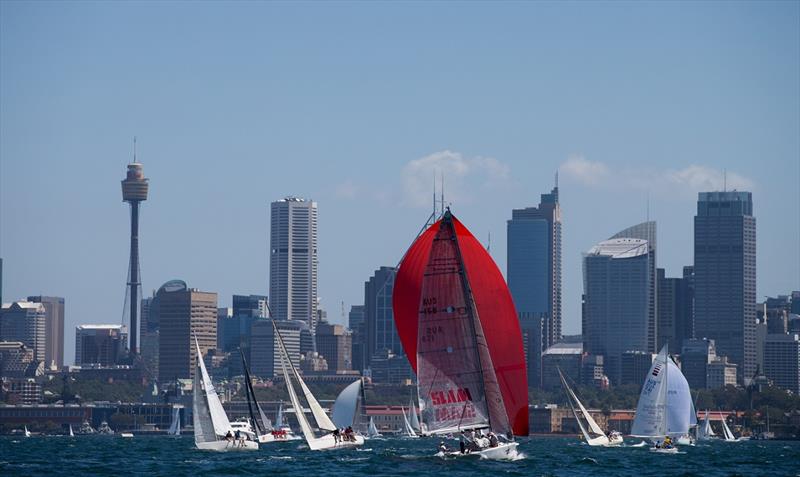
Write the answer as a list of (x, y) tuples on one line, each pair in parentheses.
[(496, 312)]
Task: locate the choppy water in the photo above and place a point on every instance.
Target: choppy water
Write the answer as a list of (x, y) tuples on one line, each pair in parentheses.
[(161, 455)]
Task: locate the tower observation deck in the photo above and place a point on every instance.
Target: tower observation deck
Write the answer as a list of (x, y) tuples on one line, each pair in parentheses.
[(134, 190)]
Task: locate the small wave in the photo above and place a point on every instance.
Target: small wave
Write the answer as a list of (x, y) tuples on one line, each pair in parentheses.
[(368, 449), (588, 460)]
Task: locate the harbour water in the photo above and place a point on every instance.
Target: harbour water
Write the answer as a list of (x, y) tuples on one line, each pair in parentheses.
[(542, 456)]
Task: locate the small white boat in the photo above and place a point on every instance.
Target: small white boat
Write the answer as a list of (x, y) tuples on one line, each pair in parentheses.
[(705, 431), (211, 424), (71, 434), (327, 441), (27, 432), (665, 450), (408, 431), (105, 429), (86, 428), (503, 451), (595, 435), (372, 430), (126, 435)]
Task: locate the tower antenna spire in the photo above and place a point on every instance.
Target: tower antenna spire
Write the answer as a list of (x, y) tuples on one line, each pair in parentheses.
[(648, 207), (442, 191), (434, 194), (724, 180), (556, 178), (134, 149)]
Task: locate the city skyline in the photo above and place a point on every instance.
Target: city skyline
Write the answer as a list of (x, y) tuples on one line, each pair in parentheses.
[(371, 162)]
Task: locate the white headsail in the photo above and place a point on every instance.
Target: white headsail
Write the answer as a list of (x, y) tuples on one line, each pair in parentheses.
[(346, 405)]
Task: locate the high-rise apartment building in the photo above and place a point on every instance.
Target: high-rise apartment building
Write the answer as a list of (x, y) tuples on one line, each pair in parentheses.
[(616, 306), (26, 322), (100, 345), (184, 314), (534, 274), (293, 260), (53, 329), (725, 276)]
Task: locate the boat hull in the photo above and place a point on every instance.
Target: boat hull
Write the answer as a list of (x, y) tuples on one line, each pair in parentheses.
[(225, 446), (328, 442), (504, 451), (270, 438), (603, 441), (671, 450)]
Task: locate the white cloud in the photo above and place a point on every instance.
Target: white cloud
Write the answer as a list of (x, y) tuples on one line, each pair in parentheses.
[(584, 171), (687, 181), (346, 190), (462, 175)]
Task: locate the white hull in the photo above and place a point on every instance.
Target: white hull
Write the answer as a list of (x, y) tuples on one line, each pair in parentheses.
[(270, 438), (685, 441), (328, 442), (224, 446), (672, 450), (503, 451), (603, 441)]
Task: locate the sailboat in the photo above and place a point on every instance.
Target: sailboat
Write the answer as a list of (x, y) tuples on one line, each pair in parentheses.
[(705, 431), (211, 424), (372, 430), (459, 328), (408, 430), (728, 434), (71, 434), (665, 407), (261, 429), (175, 426), (346, 410), (27, 432), (324, 423), (413, 418), (600, 437)]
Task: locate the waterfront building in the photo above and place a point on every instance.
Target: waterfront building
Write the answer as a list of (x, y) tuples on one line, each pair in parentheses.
[(17, 361), (102, 345), (53, 329), (265, 358), (389, 368), (566, 356), (26, 322), (721, 373), (335, 344), (782, 361), (616, 302), (696, 355), (293, 260), (725, 276), (184, 314), (534, 274)]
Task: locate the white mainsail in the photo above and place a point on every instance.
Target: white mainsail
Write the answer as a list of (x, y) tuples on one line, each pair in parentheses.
[(346, 405), (215, 411), (322, 420), (413, 419), (407, 429), (705, 431), (650, 420), (665, 405), (727, 430), (279, 417), (595, 428), (71, 434), (175, 426), (372, 430)]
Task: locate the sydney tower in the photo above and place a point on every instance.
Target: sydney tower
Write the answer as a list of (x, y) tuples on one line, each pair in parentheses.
[(134, 191)]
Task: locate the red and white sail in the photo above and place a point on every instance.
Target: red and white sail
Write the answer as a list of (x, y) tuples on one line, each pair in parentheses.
[(459, 328)]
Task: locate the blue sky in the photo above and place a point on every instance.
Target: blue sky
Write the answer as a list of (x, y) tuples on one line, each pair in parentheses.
[(356, 105)]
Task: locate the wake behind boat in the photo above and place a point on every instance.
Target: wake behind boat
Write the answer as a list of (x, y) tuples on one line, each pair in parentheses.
[(438, 306)]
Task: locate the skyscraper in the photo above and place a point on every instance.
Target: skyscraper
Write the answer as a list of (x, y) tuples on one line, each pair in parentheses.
[(725, 276), (293, 260), (616, 307), (534, 263), (134, 190), (102, 345), (25, 322), (183, 313), (675, 322), (647, 231), (379, 330), (265, 358), (53, 329)]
